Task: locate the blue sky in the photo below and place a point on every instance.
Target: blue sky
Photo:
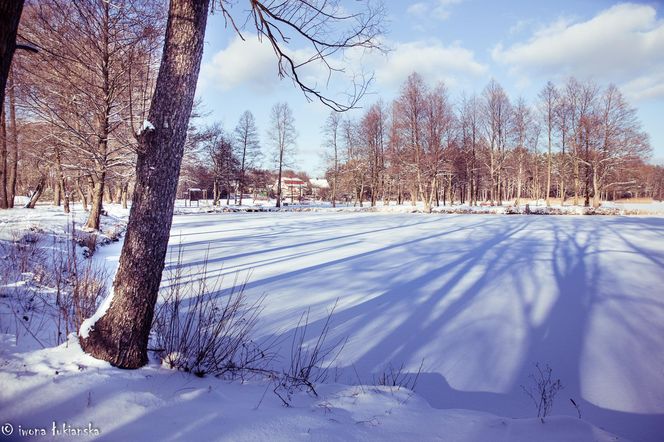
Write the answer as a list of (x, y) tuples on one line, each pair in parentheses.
[(464, 43)]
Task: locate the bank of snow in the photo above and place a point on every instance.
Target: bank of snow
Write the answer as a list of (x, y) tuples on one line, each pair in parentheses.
[(65, 386)]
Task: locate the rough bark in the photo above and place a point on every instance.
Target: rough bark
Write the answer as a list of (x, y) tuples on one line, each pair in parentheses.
[(10, 15), (60, 185), (3, 159), (97, 203), (125, 191), (121, 335), (37, 193), (13, 158)]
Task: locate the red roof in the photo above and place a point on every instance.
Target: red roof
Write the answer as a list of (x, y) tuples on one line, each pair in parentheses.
[(293, 181)]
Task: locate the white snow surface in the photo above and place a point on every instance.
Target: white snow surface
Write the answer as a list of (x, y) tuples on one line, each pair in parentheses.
[(479, 299), (66, 386)]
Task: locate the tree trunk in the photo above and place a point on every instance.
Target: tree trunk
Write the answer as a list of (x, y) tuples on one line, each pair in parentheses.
[(37, 193), (596, 190), (125, 191), (60, 178), (335, 174), (57, 199), (81, 194), (281, 161), (10, 15), (3, 159), (563, 165), (121, 335), (13, 159), (576, 179), (215, 193), (97, 203), (518, 186)]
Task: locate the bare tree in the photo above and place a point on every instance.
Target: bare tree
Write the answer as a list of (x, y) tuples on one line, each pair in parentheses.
[(160, 150), (161, 146), (248, 147), (548, 105), (410, 118), (471, 141), (10, 15), (282, 135), (84, 83), (372, 131), (332, 131), (355, 170), (622, 143), (497, 110), (225, 165), (525, 132)]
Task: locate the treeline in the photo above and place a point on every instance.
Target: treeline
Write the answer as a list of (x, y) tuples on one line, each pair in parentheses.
[(76, 108), (77, 103), (578, 143)]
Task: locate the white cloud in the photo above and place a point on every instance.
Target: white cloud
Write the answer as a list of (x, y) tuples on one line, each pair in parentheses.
[(418, 9), (432, 59), (253, 65), (249, 63), (442, 10), (438, 9), (623, 44)]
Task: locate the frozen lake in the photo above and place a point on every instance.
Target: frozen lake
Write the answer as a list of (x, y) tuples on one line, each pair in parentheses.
[(479, 299)]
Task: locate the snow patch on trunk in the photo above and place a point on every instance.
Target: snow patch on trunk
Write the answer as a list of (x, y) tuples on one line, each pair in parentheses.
[(89, 323), (147, 126)]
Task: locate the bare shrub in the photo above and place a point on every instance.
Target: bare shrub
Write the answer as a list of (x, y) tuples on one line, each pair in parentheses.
[(201, 329), (398, 378), (24, 253), (576, 407), (309, 364), (81, 296), (543, 389)]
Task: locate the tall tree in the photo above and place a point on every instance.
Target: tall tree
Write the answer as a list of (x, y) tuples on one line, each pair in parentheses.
[(332, 131), (524, 135), (10, 16), (120, 336), (12, 172), (282, 135), (548, 105), (225, 164), (119, 332), (84, 82), (372, 131), (410, 121), (248, 147), (471, 137), (497, 111)]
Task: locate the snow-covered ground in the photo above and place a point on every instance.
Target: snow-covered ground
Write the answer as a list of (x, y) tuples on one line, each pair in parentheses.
[(536, 207), (67, 390), (479, 299)]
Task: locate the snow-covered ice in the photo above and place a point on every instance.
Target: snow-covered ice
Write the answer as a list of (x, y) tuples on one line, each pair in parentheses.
[(479, 299)]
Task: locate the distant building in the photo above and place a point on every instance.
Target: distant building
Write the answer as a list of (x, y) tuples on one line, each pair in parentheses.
[(318, 186), (292, 188)]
